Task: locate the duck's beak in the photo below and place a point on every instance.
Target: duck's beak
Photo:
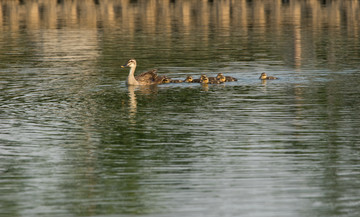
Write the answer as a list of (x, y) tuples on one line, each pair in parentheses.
[(124, 66)]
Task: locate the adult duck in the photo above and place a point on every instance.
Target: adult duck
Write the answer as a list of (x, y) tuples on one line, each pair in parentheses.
[(145, 78)]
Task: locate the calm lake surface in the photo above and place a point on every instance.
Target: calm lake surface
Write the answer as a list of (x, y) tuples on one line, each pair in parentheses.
[(76, 141)]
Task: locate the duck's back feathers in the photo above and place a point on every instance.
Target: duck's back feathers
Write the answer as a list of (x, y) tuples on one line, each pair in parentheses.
[(147, 77), (161, 79)]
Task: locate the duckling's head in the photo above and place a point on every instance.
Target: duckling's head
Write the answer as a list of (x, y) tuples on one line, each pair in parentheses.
[(220, 75), (263, 75), (189, 79), (130, 63), (166, 81)]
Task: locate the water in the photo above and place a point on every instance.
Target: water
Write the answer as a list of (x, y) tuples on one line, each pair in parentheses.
[(76, 141)]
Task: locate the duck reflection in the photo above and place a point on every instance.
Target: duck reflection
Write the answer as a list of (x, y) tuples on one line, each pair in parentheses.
[(150, 91), (132, 103), (205, 87)]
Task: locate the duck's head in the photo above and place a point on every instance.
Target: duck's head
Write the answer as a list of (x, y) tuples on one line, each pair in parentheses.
[(130, 63), (189, 79)]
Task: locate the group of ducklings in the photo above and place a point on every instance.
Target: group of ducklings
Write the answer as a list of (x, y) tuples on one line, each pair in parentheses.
[(220, 78)]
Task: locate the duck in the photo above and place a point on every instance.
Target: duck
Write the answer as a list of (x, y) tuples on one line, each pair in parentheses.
[(227, 78), (145, 78), (263, 76)]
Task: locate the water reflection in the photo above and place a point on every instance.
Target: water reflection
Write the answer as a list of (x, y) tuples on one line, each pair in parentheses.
[(132, 102), (147, 91), (76, 141), (310, 21)]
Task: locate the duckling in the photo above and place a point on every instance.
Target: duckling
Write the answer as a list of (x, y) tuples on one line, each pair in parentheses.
[(212, 79), (197, 80), (189, 79), (221, 78), (166, 80), (205, 80), (162, 79), (176, 81), (204, 77), (263, 76), (227, 78), (145, 78)]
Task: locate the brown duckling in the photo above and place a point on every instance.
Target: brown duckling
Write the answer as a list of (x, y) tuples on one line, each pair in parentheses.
[(212, 79), (204, 77), (205, 80), (166, 80), (176, 81), (161, 79), (220, 77), (189, 79), (198, 80), (227, 78), (263, 76)]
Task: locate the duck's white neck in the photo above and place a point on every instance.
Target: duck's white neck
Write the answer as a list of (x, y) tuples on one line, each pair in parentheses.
[(131, 78)]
